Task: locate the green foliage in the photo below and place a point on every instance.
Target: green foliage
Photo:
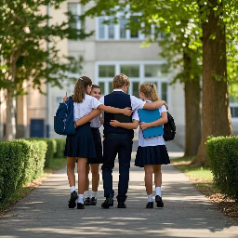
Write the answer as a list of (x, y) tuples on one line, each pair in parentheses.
[(60, 148), (21, 162), (223, 156), (29, 45), (51, 149)]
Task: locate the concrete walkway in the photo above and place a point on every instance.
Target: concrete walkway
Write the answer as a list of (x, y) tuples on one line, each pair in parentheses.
[(187, 213)]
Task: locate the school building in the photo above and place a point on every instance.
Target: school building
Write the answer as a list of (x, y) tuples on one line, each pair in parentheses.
[(111, 50)]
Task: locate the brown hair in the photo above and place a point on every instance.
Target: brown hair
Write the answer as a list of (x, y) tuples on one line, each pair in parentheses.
[(95, 86), (150, 91), (120, 80), (80, 88)]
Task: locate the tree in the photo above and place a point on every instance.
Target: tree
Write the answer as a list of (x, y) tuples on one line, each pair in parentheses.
[(217, 22), (217, 16), (178, 23), (24, 35)]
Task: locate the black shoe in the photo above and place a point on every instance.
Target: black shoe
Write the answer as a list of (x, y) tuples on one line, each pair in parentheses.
[(72, 200), (80, 206), (121, 205), (87, 201), (107, 203), (93, 201), (150, 205), (159, 201)]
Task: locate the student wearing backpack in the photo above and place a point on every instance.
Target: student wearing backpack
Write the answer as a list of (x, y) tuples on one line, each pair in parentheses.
[(81, 145), (119, 140), (151, 152)]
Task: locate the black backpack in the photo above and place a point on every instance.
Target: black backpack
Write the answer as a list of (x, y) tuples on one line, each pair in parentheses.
[(169, 128)]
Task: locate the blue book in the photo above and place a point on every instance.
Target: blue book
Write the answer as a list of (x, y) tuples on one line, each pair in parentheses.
[(148, 116)]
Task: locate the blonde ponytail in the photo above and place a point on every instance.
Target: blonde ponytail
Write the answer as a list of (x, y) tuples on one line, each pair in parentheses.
[(150, 91)]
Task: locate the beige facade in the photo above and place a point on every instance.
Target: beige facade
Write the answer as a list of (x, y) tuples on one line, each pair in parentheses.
[(111, 50)]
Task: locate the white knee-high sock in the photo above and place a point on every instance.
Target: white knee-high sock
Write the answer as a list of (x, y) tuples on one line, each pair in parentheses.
[(158, 191)]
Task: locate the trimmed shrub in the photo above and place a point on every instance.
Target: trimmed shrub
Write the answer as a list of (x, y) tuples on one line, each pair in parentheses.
[(51, 149), (223, 156), (60, 148), (21, 162)]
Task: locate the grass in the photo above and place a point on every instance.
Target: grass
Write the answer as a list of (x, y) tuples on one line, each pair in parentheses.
[(203, 179), (20, 193)]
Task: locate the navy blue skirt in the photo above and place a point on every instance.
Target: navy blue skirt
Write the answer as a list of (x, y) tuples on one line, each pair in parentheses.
[(151, 155), (98, 146), (81, 144)]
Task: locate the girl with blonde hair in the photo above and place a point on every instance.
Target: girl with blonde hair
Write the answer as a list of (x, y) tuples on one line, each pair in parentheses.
[(151, 152)]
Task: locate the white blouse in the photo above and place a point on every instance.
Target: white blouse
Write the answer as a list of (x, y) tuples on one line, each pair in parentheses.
[(84, 108), (96, 122), (153, 141)]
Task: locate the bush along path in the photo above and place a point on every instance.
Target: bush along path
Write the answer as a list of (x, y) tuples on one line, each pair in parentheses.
[(24, 164), (187, 213), (219, 182)]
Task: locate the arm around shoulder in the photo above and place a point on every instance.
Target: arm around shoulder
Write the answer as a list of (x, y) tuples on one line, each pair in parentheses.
[(154, 105)]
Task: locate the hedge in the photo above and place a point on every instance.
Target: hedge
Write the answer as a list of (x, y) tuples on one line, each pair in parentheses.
[(223, 156), (21, 162), (51, 149), (60, 148)]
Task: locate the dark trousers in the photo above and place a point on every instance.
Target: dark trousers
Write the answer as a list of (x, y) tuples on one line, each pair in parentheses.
[(114, 144)]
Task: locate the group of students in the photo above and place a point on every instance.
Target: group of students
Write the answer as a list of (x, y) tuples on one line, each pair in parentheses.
[(85, 147)]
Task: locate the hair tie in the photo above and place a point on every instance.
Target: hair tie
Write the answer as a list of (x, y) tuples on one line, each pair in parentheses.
[(81, 79)]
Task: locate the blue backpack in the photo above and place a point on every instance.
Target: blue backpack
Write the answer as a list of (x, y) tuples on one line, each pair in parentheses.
[(64, 118)]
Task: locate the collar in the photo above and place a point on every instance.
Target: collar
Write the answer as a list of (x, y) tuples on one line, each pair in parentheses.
[(118, 90)]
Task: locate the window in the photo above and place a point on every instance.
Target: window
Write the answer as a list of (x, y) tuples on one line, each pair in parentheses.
[(111, 31), (102, 87), (136, 72), (135, 34), (155, 71), (130, 70), (106, 71), (77, 10), (135, 89), (110, 87), (234, 106), (122, 24), (101, 28), (116, 31), (164, 90)]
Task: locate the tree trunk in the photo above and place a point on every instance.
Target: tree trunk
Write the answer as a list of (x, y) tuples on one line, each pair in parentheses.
[(216, 111), (11, 116), (192, 117)]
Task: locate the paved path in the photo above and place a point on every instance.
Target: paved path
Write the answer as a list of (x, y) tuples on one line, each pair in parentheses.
[(187, 213)]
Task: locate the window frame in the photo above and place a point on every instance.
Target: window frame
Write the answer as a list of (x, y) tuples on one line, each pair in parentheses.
[(140, 79), (232, 105), (116, 29)]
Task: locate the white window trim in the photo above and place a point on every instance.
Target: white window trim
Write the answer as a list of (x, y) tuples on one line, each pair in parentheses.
[(139, 79), (141, 36)]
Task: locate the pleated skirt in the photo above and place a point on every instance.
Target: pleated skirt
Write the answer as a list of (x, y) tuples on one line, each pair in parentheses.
[(152, 155), (81, 144), (98, 146)]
